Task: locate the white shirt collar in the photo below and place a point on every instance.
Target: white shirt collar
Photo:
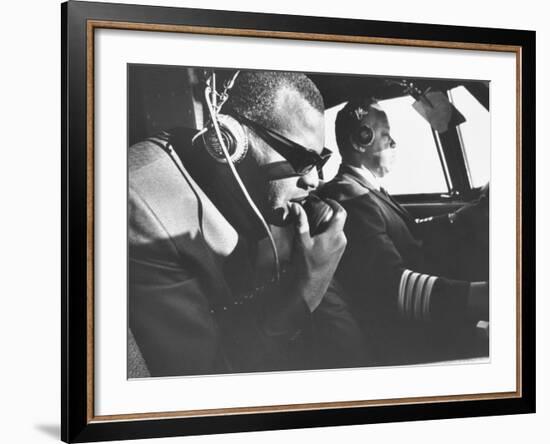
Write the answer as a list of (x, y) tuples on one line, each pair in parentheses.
[(368, 176)]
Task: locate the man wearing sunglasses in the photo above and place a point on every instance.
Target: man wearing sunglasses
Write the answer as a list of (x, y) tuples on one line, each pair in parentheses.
[(204, 296)]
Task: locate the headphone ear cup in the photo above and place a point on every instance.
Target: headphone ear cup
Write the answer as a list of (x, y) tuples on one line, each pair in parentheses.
[(234, 137), (364, 135)]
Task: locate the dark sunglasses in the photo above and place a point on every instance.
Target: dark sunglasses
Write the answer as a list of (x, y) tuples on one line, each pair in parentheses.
[(301, 159)]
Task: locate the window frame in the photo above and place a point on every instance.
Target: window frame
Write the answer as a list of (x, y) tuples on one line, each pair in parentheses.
[(454, 163)]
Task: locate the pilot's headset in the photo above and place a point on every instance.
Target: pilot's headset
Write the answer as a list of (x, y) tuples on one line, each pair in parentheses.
[(225, 140), (362, 134)]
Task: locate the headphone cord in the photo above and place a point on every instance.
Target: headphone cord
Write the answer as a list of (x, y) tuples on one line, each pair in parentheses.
[(207, 91)]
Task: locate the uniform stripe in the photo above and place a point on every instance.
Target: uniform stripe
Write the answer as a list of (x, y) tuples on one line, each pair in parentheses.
[(409, 292), (418, 295), (414, 295), (401, 292), (427, 298)]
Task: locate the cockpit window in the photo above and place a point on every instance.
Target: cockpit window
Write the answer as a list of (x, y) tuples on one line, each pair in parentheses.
[(474, 134), (417, 168)]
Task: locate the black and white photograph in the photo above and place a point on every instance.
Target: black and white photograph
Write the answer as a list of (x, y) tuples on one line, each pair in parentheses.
[(290, 221)]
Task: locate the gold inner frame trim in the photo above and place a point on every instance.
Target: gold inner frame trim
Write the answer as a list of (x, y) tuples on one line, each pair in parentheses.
[(96, 24)]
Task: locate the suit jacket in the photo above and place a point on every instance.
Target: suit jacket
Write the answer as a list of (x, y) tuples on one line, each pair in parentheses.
[(196, 304), (384, 246)]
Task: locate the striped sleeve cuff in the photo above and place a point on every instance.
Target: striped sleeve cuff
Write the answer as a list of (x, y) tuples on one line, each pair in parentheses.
[(414, 295)]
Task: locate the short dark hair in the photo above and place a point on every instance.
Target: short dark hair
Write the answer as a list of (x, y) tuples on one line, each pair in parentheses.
[(347, 121), (254, 92)]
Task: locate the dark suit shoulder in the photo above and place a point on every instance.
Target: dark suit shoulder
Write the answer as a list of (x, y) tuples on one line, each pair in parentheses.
[(342, 189)]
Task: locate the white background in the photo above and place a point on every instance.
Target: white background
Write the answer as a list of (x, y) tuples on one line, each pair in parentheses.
[(116, 395), (30, 238)]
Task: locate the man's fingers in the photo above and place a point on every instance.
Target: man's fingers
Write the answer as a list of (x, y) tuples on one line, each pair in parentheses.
[(339, 217), (302, 224)]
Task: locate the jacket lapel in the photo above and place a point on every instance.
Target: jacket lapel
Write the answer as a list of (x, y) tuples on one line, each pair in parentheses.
[(386, 198)]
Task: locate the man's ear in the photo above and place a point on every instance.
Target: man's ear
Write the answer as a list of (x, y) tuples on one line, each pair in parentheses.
[(356, 146)]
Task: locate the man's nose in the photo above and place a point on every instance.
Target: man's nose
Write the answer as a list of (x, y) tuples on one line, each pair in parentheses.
[(392, 143), (309, 181)]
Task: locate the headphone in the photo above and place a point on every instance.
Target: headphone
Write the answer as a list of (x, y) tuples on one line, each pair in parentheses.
[(222, 128), (233, 135), (363, 135)]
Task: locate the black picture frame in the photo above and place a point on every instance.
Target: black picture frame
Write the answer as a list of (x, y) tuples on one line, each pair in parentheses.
[(78, 423)]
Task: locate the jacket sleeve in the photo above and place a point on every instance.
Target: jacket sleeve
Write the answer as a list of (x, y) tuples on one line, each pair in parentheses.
[(379, 271)]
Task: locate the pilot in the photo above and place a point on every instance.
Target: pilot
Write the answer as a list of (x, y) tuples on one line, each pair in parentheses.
[(224, 273), (408, 312)]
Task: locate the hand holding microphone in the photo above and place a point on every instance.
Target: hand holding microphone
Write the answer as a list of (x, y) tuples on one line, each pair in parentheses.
[(319, 243)]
